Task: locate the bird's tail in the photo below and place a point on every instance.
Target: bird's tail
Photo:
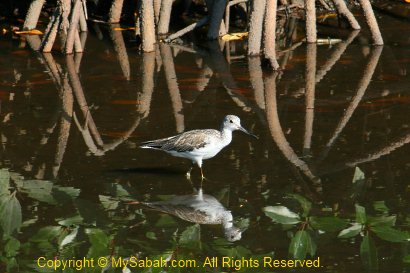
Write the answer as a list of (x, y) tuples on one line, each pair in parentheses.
[(152, 144)]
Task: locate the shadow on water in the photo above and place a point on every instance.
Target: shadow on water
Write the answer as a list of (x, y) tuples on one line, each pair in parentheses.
[(70, 128)]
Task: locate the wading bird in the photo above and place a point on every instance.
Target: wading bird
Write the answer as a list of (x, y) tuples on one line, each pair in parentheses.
[(198, 145)]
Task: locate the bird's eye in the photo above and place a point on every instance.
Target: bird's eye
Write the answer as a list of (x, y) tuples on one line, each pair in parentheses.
[(230, 121)]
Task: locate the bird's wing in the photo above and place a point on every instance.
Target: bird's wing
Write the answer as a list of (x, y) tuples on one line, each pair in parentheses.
[(184, 142), (189, 141)]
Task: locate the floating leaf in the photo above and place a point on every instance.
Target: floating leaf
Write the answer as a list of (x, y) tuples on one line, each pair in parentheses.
[(12, 246), (69, 238), (304, 203), (235, 36), (39, 190), (358, 175), (368, 253), (299, 245), (10, 215), (108, 203), (328, 223), (390, 234), (281, 214), (47, 233), (350, 231), (28, 32), (166, 220), (70, 221), (190, 236), (99, 242), (380, 206), (312, 247), (382, 221), (360, 214), (4, 182), (151, 235)]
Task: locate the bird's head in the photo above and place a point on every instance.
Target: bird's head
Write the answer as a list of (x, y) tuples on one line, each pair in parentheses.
[(232, 122), (233, 234)]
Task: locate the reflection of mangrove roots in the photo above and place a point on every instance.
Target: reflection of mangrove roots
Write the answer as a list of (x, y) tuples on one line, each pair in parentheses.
[(171, 77), (361, 89), (277, 133)]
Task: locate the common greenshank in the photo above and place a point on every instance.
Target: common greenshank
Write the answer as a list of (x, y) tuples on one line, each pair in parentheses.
[(198, 145)]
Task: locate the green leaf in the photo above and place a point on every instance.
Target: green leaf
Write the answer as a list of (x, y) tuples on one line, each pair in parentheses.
[(47, 233), (151, 235), (10, 215), (360, 214), (299, 245), (312, 247), (99, 242), (304, 203), (70, 221), (368, 253), (39, 190), (350, 231), (328, 223), (380, 206), (108, 203), (166, 220), (406, 259), (4, 182), (281, 214), (12, 246), (390, 234), (382, 221), (69, 238), (358, 175), (190, 237)]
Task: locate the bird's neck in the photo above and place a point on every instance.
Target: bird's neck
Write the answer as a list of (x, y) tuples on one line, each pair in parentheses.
[(226, 135), (227, 219)]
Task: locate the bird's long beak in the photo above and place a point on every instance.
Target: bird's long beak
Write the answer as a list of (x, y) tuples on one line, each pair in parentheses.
[(246, 132)]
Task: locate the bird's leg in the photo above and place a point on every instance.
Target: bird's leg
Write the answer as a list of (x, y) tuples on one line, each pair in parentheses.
[(202, 174), (188, 174)]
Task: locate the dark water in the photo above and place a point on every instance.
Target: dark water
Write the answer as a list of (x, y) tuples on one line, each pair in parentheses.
[(70, 128)]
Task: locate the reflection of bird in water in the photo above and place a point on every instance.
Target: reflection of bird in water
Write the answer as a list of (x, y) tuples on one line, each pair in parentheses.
[(201, 209), (198, 145)]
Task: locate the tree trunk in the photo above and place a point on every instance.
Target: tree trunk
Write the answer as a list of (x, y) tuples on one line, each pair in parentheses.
[(310, 10), (147, 25), (270, 33), (52, 29), (343, 10), (72, 36), (310, 78), (33, 14), (83, 16), (157, 9), (216, 15), (371, 21), (165, 16), (115, 11), (255, 27)]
